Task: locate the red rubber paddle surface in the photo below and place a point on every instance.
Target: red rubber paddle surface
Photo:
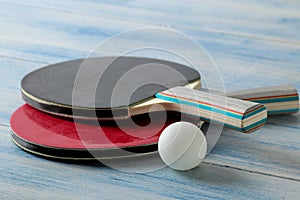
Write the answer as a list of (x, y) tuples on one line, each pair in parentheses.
[(36, 127)]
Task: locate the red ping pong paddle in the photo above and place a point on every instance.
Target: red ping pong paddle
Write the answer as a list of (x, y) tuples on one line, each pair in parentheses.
[(55, 137)]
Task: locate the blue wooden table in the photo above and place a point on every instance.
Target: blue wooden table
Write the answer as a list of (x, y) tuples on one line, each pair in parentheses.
[(254, 43)]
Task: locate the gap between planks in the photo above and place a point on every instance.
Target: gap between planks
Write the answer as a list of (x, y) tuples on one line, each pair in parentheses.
[(23, 59), (5, 125), (251, 171)]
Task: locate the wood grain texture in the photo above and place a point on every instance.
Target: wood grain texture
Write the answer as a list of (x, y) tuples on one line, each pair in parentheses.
[(256, 41), (31, 177), (279, 17)]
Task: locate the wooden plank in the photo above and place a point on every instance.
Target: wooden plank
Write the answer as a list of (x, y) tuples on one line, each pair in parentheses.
[(29, 177), (260, 46), (232, 59), (266, 20), (70, 31)]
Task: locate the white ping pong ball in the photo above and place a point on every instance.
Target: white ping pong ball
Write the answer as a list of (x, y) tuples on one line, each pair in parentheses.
[(182, 146)]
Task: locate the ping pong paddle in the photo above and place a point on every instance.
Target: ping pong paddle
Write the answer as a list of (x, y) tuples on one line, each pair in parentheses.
[(58, 138), (147, 82), (55, 137)]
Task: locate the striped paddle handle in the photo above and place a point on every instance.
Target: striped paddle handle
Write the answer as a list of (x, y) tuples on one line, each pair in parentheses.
[(282, 99), (237, 114)]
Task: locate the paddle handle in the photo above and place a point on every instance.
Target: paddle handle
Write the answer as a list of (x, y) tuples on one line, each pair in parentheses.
[(281, 99), (237, 114)]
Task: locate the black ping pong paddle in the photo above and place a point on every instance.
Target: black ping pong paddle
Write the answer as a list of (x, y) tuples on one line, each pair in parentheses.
[(121, 87)]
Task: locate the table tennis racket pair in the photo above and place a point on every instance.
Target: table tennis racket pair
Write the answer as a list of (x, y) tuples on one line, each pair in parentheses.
[(44, 126)]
